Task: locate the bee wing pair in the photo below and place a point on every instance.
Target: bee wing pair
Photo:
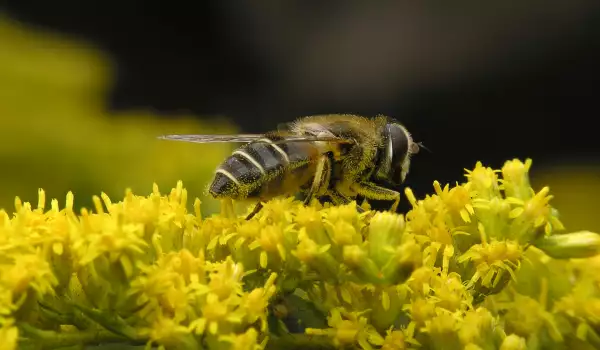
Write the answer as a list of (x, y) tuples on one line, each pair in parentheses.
[(246, 138)]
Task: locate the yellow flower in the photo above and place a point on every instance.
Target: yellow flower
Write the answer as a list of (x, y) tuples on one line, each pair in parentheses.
[(278, 210), (494, 215), (24, 271), (191, 268), (420, 281), (443, 329), (492, 261), (457, 200), (484, 181), (386, 230), (7, 304), (160, 290), (534, 212), (247, 231), (347, 213), (582, 304), (309, 217), (110, 235), (407, 256), (307, 249), (421, 310), (526, 316), (245, 341), (215, 313), (343, 233), (478, 326), (438, 237), (349, 329), (271, 240), (439, 231), (513, 342), (450, 293), (354, 255), (256, 302), (515, 179), (212, 233), (168, 333), (9, 335), (147, 270), (316, 257), (400, 339), (419, 217), (225, 279)]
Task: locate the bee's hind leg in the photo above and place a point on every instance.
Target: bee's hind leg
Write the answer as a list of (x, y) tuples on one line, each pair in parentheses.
[(339, 199), (372, 191), (255, 211)]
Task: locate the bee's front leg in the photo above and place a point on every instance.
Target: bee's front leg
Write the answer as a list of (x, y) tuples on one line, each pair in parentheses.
[(374, 192)]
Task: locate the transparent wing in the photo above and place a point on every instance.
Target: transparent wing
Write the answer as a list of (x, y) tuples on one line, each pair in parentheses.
[(245, 138)]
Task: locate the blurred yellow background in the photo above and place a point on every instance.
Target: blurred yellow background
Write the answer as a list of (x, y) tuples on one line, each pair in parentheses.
[(576, 191), (56, 134)]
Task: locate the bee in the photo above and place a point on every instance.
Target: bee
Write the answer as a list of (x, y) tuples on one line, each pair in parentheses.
[(339, 156)]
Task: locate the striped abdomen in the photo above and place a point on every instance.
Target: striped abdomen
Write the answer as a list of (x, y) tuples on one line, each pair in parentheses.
[(263, 169)]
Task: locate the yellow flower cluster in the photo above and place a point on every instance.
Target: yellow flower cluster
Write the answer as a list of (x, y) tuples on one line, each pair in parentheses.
[(478, 265), (125, 273)]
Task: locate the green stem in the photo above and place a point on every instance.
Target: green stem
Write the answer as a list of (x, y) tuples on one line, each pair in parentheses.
[(52, 339)]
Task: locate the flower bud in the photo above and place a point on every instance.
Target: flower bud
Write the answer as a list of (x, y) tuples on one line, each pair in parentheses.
[(513, 342), (363, 267), (484, 181), (385, 231), (582, 244), (516, 179)]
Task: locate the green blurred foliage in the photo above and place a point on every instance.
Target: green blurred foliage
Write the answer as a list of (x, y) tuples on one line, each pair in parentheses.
[(56, 134), (577, 194)]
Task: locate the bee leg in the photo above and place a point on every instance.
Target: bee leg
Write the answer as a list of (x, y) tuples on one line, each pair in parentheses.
[(255, 211), (372, 191), (321, 179), (339, 199)]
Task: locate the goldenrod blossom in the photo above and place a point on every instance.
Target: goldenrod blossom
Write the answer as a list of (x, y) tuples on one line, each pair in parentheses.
[(476, 265)]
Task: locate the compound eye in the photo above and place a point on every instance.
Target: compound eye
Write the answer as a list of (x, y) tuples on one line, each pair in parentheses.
[(400, 144), (402, 147)]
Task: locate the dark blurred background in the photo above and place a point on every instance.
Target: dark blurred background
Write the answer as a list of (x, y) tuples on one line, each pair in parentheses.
[(485, 81)]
